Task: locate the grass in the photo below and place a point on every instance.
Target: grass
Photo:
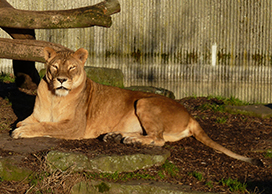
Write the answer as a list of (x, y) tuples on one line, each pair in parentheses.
[(209, 184), (229, 101), (221, 120), (221, 107), (170, 168), (268, 154), (197, 175), (234, 185)]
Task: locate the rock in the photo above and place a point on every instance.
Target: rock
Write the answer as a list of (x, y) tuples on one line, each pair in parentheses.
[(132, 187), (263, 111), (127, 163), (66, 160), (105, 164), (10, 169), (152, 89), (27, 145), (106, 76)]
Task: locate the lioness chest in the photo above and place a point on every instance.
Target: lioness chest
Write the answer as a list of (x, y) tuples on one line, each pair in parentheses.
[(52, 108)]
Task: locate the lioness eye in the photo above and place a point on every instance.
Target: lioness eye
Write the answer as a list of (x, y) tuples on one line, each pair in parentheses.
[(72, 68), (55, 67)]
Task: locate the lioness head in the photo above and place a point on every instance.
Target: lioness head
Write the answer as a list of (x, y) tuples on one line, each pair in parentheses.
[(65, 69)]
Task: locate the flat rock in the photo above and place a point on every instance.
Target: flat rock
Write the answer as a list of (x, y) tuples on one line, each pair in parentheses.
[(105, 164), (27, 145), (262, 111), (144, 187)]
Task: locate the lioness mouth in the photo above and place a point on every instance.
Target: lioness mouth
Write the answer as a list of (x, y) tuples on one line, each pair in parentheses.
[(61, 87)]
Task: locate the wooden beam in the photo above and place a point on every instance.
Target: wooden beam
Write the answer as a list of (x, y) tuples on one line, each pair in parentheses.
[(96, 15)]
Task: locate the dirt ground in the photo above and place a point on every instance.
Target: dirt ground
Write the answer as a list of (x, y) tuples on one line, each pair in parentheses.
[(242, 134)]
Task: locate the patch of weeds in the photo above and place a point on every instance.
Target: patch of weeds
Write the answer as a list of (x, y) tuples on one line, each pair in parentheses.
[(5, 78), (268, 154), (221, 120), (161, 174), (144, 176), (91, 175), (112, 176), (197, 175), (234, 101), (209, 184), (170, 168), (229, 101), (221, 107), (214, 107), (234, 185), (194, 96), (133, 175)]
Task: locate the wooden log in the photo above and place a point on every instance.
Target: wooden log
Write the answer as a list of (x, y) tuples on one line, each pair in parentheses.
[(96, 15), (26, 50)]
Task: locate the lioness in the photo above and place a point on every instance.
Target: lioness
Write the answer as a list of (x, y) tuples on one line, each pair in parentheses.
[(71, 106)]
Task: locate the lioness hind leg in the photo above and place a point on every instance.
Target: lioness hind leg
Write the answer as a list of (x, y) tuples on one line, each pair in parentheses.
[(149, 116)]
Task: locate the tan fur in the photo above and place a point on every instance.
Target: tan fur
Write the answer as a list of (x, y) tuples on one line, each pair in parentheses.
[(71, 106)]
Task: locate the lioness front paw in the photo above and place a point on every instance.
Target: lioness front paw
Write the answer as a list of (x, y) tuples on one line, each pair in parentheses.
[(16, 133), (19, 124), (115, 137), (20, 132)]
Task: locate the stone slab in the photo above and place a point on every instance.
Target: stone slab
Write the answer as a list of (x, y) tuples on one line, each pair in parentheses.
[(262, 111)]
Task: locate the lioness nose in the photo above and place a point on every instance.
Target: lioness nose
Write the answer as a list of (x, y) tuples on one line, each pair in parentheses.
[(61, 80)]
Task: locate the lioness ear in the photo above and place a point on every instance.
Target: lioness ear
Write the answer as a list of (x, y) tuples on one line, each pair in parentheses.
[(49, 53), (81, 54)]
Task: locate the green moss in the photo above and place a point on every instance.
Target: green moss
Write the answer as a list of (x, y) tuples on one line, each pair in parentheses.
[(102, 187), (11, 171)]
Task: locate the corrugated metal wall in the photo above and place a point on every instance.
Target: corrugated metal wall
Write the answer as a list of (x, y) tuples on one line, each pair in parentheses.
[(192, 47)]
